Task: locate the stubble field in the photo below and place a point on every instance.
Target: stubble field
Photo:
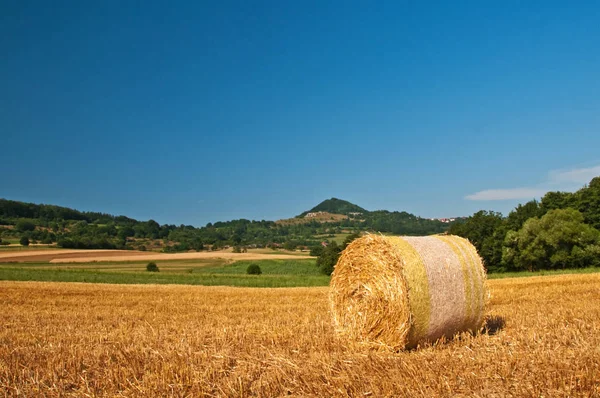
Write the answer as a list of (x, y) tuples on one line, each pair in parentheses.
[(67, 339)]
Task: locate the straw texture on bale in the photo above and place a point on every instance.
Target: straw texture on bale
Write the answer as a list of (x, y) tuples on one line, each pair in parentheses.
[(398, 292)]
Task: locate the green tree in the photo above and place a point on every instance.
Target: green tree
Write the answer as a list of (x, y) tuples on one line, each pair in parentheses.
[(152, 267), (349, 239), (560, 239), (24, 241), (486, 231), (557, 200), (24, 226), (289, 245), (588, 202), (522, 213), (328, 258), (253, 269), (316, 251)]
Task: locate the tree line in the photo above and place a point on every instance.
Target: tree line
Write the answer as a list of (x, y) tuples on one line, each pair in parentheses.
[(71, 228), (562, 230)]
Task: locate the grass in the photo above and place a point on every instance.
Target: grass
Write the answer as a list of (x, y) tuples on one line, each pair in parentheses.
[(210, 272), (268, 267), (60, 339), (525, 274), (31, 247), (276, 273)]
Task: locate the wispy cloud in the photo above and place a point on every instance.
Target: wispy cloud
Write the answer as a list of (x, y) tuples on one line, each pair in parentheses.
[(561, 180), (505, 194), (580, 176)]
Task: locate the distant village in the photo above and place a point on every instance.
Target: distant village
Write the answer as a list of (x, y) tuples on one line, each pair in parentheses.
[(444, 220), (315, 214), (318, 213)]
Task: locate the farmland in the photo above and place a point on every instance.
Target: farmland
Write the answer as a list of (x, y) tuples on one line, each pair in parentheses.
[(87, 256), (126, 267), (62, 339)]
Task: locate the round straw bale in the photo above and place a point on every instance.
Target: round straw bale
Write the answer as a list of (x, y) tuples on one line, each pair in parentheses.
[(398, 292)]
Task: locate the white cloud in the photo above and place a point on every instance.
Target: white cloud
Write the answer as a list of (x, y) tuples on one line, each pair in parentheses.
[(580, 176), (558, 180), (506, 194)]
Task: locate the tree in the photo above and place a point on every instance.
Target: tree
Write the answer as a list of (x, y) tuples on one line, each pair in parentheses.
[(253, 269), (152, 267), (349, 239), (328, 258), (560, 239), (289, 245), (316, 251), (486, 231), (24, 241), (588, 199), (557, 200), (24, 226), (522, 213)]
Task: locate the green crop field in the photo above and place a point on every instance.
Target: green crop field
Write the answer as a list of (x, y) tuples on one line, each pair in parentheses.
[(275, 273)]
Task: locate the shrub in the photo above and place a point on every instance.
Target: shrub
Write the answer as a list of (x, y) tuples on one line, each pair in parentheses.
[(328, 258), (152, 267), (253, 269), (316, 251), (24, 225), (24, 241), (4, 242)]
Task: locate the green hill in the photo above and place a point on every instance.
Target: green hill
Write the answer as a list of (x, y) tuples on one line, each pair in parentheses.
[(336, 206), (70, 228)]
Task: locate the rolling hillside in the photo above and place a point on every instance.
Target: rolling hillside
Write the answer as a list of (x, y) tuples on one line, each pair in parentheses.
[(336, 206), (73, 229)]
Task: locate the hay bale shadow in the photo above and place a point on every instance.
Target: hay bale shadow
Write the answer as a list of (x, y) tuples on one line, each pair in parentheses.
[(493, 324)]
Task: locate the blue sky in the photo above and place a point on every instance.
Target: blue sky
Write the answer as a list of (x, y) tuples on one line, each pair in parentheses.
[(190, 112)]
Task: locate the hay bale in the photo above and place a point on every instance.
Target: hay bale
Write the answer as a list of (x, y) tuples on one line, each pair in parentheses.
[(399, 292)]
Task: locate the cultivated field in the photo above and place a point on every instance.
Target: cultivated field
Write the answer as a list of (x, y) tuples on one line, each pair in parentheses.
[(87, 256), (65, 339)]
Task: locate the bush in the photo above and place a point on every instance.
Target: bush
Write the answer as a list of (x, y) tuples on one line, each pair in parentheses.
[(253, 269), (316, 251), (328, 258), (558, 240), (152, 267), (24, 225), (4, 242), (24, 241)]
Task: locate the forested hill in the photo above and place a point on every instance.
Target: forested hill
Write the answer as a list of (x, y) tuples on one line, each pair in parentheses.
[(11, 209), (336, 206), (94, 230)]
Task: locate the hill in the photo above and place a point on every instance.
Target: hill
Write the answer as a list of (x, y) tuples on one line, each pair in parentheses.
[(73, 229), (335, 206), (309, 217)]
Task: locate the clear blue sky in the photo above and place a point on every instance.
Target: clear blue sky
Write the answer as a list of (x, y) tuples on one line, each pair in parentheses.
[(190, 112)]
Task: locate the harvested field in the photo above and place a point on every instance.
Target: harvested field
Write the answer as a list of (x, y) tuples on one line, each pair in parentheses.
[(63, 339), (87, 256)]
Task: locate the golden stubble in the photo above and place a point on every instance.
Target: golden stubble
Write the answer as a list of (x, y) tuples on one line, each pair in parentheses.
[(63, 339)]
